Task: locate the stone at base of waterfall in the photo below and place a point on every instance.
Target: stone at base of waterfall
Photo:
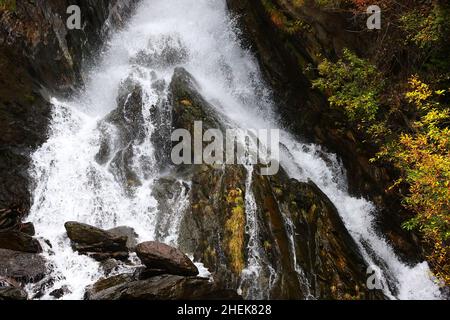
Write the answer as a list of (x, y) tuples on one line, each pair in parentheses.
[(100, 244), (127, 232), (11, 290), (155, 255), (22, 267), (61, 292), (162, 287), (19, 241), (12, 294)]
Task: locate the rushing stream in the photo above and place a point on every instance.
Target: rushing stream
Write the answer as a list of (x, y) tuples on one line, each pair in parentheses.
[(70, 185)]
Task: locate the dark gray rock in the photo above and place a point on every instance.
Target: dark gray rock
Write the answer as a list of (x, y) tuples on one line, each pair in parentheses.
[(88, 235), (61, 292), (164, 287), (99, 244), (27, 228), (23, 267), (18, 241), (122, 130), (127, 232), (12, 294), (109, 266)]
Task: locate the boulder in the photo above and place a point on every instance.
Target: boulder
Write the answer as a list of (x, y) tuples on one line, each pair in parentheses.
[(109, 266), (157, 255), (61, 292), (127, 232), (27, 228), (12, 294), (85, 234), (163, 287), (23, 267), (18, 241), (97, 243)]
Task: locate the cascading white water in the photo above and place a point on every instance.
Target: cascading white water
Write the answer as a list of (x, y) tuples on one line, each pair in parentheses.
[(71, 185)]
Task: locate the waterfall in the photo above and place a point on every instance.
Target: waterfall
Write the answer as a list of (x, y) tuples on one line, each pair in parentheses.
[(70, 185)]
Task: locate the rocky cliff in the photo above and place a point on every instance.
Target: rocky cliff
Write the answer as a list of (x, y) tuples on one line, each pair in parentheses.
[(290, 40), (40, 57)]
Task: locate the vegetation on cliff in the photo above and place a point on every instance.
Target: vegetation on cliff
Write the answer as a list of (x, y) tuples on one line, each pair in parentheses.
[(398, 99)]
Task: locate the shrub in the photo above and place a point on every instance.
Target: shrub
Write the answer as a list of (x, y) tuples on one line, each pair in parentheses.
[(352, 84)]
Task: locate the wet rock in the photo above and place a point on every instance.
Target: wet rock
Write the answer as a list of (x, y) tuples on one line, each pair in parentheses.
[(296, 250), (27, 228), (122, 130), (109, 266), (97, 243), (61, 292), (103, 256), (23, 267), (188, 105), (161, 118), (10, 219), (18, 241), (127, 121), (164, 287), (12, 294), (161, 256), (88, 235), (127, 232), (213, 227), (324, 250), (10, 290), (107, 283), (171, 194)]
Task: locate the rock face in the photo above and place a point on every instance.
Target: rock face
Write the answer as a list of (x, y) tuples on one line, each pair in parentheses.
[(283, 57), (327, 254), (164, 287), (97, 243), (122, 130), (43, 56), (163, 257), (23, 267), (298, 227)]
